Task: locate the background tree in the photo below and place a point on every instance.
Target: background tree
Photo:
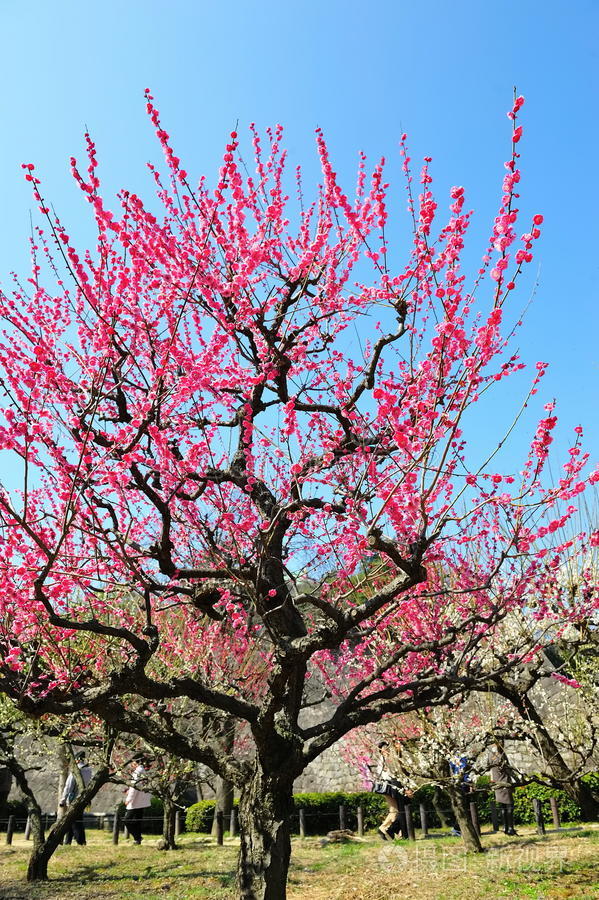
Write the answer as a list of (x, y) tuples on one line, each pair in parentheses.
[(557, 717), (426, 742), (15, 729), (239, 392)]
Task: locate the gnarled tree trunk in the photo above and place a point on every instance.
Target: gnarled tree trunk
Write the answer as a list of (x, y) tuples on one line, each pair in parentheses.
[(438, 806), (459, 805), (223, 801), (578, 791), (265, 809), (33, 811), (168, 824), (224, 788), (42, 852)]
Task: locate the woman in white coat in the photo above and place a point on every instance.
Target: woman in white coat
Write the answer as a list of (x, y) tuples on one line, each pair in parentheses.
[(136, 801)]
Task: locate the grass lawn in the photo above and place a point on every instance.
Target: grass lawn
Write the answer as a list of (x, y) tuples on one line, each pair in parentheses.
[(560, 865)]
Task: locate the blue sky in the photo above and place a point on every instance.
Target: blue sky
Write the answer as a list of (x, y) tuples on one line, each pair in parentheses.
[(442, 71)]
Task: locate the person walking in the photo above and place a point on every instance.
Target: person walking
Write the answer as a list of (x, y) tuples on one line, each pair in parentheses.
[(388, 785), (136, 801), (501, 782), (70, 793), (400, 826)]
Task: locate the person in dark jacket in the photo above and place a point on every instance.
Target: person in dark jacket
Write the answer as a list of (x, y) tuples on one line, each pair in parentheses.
[(501, 782)]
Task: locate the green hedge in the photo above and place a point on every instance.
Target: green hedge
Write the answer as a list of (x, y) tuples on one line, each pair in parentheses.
[(322, 810), (199, 816), (523, 797)]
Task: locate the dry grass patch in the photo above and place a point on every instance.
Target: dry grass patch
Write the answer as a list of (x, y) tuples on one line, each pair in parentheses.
[(561, 865)]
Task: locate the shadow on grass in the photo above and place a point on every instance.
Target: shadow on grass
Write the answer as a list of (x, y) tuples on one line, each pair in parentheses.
[(101, 872), (184, 866)]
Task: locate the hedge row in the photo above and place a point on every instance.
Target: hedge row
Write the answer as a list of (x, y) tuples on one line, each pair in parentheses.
[(199, 816), (322, 810), (523, 797)]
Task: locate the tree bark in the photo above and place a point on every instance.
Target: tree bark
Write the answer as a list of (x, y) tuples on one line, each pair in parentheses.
[(224, 801), (583, 795), (438, 807), (462, 814), (573, 786), (168, 824), (33, 808), (224, 788), (42, 852), (265, 809), (578, 791)]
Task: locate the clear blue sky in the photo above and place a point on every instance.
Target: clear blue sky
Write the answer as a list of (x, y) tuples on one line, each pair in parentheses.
[(442, 71)]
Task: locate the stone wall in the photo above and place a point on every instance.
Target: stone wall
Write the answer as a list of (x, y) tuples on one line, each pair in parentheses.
[(44, 765), (330, 772)]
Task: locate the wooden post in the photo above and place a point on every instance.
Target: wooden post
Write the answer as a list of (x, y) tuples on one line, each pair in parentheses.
[(538, 811), (233, 822), (474, 817), (28, 829), (342, 818), (360, 821), (220, 827), (177, 823), (494, 816), (423, 822), (302, 822), (116, 826), (10, 829), (555, 812), (409, 823), (403, 821)]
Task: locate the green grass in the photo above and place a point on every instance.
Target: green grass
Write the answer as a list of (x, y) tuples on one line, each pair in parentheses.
[(557, 866)]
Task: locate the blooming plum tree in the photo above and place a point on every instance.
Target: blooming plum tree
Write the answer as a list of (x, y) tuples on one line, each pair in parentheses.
[(235, 397)]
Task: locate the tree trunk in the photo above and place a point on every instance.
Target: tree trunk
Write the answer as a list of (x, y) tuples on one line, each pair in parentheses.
[(38, 869), (583, 795), (42, 852), (168, 824), (265, 809), (224, 788), (224, 801), (199, 790), (438, 804), (462, 814), (574, 787)]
